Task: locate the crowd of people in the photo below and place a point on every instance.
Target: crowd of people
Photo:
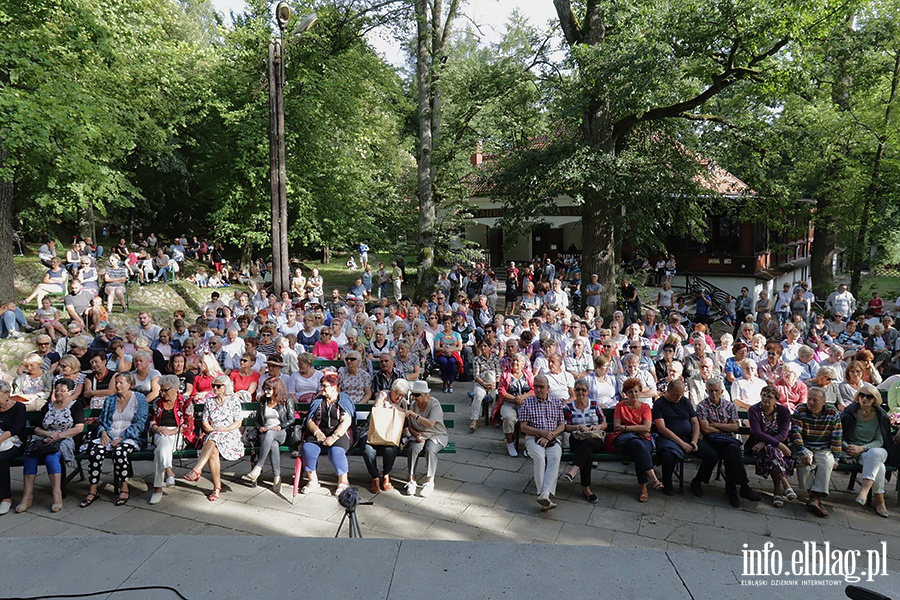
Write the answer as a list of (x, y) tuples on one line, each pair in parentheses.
[(546, 363)]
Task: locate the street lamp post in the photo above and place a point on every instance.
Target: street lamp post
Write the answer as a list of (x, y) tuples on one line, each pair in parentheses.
[(277, 169)]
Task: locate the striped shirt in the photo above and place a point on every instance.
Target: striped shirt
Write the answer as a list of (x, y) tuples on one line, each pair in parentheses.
[(810, 432), (116, 273)]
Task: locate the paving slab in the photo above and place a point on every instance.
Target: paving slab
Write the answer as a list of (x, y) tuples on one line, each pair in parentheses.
[(454, 571)]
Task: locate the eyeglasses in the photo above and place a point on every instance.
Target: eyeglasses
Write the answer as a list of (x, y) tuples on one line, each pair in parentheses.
[(865, 395), (350, 359), (165, 390), (324, 333), (245, 360), (43, 343), (265, 335), (417, 394), (607, 346), (218, 385), (580, 389)]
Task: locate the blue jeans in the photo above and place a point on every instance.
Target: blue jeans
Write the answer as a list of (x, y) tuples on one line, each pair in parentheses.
[(51, 461), (164, 273), (633, 311), (310, 452), (12, 320)]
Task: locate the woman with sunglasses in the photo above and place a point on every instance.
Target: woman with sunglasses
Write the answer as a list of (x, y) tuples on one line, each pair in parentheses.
[(222, 429), (428, 435), (583, 419), (355, 381), (867, 441), (274, 418), (209, 369), (326, 348), (245, 378), (172, 428)]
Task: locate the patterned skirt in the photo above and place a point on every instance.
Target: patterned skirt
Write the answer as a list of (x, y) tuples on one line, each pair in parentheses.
[(773, 461)]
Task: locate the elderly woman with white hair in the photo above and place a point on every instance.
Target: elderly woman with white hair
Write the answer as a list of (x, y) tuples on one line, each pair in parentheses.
[(809, 368), (826, 379), (395, 398), (33, 386), (793, 391), (222, 429), (745, 391)]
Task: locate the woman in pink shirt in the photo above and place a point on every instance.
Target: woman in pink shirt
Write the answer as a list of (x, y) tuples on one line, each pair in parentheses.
[(326, 348)]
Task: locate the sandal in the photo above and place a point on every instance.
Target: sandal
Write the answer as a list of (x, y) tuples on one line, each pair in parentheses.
[(88, 500), (340, 488), (214, 495), (120, 501), (790, 494), (644, 495), (778, 502), (569, 477), (658, 485), (309, 488), (192, 476)]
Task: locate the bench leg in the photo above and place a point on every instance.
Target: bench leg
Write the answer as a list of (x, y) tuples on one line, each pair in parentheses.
[(298, 472), (852, 483)]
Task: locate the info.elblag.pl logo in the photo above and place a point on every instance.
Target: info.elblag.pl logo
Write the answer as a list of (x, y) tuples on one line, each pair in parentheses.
[(815, 560)]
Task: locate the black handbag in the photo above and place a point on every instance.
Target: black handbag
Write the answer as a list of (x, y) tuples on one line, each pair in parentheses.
[(37, 448)]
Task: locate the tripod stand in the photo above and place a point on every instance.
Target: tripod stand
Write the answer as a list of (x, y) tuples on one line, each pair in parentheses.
[(350, 516), (349, 499)]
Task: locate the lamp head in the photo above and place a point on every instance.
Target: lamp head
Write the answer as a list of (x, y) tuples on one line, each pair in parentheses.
[(305, 24), (282, 14)]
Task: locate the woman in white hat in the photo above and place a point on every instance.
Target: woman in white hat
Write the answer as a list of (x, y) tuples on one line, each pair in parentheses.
[(427, 434)]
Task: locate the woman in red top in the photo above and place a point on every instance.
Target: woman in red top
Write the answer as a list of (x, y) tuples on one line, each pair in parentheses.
[(631, 435), (209, 370), (245, 378), (326, 348)]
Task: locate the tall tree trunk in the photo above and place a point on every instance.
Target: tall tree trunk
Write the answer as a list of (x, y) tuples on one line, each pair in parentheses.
[(823, 249), (7, 269), (599, 251), (425, 175)]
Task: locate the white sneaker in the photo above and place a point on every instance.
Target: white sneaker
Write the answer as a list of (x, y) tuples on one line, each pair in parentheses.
[(156, 497), (544, 501), (4, 507), (511, 448), (411, 488), (426, 489), (170, 481)]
